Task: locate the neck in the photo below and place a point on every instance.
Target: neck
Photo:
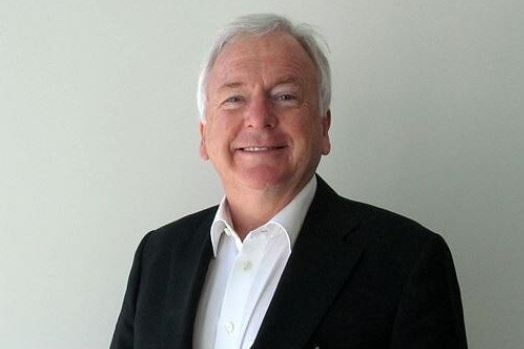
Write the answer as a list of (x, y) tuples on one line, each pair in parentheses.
[(250, 208)]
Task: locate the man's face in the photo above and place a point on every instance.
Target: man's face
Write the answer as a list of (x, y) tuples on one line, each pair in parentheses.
[(263, 129)]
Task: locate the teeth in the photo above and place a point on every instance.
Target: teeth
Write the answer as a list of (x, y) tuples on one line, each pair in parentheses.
[(254, 149)]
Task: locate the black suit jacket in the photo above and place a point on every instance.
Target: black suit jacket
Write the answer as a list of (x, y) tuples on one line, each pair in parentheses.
[(358, 277)]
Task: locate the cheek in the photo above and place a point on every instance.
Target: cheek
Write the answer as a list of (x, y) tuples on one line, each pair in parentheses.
[(314, 141), (217, 137)]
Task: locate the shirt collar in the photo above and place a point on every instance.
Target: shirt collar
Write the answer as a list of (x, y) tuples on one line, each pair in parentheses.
[(290, 218)]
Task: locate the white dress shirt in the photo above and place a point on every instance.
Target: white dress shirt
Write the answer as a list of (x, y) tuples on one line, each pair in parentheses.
[(243, 275)]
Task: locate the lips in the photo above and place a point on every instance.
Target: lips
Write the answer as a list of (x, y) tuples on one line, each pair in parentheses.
[(258, 149)]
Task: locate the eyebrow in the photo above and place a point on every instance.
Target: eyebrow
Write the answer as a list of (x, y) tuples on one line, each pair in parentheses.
[(234, 84), (288, 80), (231, 85)]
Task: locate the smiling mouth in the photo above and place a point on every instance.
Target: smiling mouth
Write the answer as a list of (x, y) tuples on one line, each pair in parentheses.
[(260, 149)]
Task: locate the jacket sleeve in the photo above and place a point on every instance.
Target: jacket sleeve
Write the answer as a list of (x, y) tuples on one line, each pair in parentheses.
[(123, 337), (430, 313)]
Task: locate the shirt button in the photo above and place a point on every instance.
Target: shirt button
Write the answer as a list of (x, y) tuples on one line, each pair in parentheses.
[(246, 265), (229, 326)]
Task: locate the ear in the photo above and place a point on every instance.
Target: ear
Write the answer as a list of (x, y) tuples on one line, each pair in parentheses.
[(203, 150), (325, 142)]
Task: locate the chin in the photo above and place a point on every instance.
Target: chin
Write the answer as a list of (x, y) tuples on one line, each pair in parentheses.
[(263, 178)]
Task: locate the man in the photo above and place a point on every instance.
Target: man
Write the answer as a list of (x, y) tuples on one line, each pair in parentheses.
[(283, 261)]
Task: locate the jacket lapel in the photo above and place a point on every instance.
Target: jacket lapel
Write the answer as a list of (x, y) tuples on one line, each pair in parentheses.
[(322, 259), (187, 275)]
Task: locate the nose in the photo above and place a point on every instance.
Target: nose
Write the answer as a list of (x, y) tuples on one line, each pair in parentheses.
[(259, 113)]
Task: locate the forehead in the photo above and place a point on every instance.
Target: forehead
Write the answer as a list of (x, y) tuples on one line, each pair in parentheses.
[(275, 55)]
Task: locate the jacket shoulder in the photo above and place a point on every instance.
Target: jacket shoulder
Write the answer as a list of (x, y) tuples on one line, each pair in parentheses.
[(182, 231), (385, 225)]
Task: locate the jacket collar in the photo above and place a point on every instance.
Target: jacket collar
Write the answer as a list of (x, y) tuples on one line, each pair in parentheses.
[(322, 259), (187, 275)]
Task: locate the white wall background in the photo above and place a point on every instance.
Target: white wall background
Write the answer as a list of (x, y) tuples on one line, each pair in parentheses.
[(98, 144)]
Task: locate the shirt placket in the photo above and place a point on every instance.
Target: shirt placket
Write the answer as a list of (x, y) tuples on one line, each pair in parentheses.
[(232, 324)]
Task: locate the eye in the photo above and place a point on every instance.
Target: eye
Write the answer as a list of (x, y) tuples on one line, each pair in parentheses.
[(232, 101), (286, 97)]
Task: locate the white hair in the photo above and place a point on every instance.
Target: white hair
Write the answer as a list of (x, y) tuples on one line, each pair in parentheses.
[(261, 24)]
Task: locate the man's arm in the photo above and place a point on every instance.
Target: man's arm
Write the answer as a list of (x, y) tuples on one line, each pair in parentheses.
[(430, 312), (123, 337)]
